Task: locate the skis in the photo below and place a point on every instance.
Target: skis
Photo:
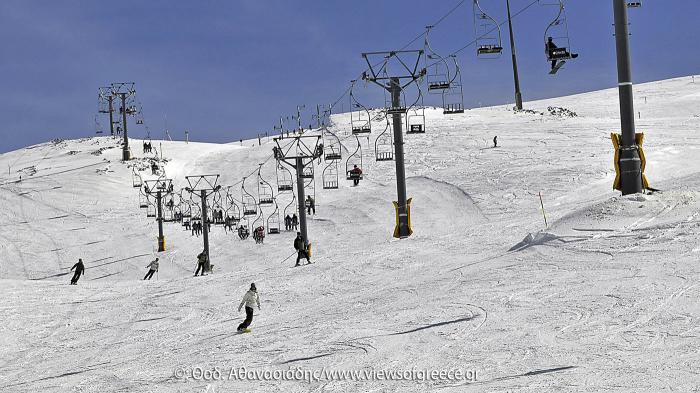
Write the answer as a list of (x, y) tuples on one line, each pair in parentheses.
[(557, 67)]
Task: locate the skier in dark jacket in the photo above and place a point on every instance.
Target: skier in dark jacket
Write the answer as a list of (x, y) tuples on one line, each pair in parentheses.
[(79, 271), (287, 223), (300, 246), (295, 221), (310, 205), (202, 261), (495, 141)]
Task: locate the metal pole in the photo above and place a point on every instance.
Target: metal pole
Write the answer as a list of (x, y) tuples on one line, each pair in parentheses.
[(630, 162), (302, 197), (516, 79), (126, 154), (205, 223), (395, 89), (161, 238), (111, 116)]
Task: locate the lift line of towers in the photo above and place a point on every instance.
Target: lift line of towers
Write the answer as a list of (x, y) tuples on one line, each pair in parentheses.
[(396, 72)]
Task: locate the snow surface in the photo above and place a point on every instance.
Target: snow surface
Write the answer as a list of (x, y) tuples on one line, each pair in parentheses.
[(603, 299)]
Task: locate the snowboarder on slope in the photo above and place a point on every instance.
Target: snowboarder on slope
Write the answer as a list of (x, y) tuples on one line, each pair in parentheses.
[(152, 268), (79, 271), (301, 249), (495, 141), (355, 174), (250, 299)]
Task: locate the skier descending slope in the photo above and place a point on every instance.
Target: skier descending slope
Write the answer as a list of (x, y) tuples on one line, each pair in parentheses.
[(152, 268), (250, 299), (79, 270)]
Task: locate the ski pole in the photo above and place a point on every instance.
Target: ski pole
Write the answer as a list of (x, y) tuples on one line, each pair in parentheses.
[(543, 213), (290, 255)]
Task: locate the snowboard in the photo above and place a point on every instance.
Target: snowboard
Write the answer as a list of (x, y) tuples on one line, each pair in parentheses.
[(247, 330), (557, 67)]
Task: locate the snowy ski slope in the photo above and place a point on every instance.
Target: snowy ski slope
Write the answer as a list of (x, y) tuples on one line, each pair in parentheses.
[(604, 299)]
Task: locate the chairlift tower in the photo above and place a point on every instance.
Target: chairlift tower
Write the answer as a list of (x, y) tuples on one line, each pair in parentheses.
[(125, 91), (299, 152), (396, 84), (106, 105), (203, 186), (159, 187), (630, 163), (516, 78)]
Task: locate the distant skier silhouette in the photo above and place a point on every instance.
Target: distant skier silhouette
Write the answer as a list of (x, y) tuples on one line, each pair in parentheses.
[(79, 271)]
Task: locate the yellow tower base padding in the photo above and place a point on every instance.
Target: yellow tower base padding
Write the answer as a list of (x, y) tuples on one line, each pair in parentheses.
[(308, 250), (408, 212), (639, 140), (161, 244)]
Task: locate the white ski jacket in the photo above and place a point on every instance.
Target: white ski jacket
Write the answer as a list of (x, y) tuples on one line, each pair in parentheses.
[(153, 265), (250, 299)]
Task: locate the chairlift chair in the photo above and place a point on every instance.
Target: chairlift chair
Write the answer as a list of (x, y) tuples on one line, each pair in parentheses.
[(285, 181), (332, 148), (487, 33), (273, 222), (265, 194), (137, 182), (415, 116), (360, 120), (453, 98), (330, 176), (634, 4), (384, 144), (250, 205), (437, 69), (558, 31), (355, 159), (308, 172)]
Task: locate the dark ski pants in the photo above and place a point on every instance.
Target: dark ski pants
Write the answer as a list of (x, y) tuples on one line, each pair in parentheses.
[(149, 274), (200, 266), (75, 278), (302, 254), (248, 318), (355, 182)]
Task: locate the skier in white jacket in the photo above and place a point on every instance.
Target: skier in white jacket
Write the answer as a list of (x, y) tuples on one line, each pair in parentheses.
[(250, 299), (152, 268)]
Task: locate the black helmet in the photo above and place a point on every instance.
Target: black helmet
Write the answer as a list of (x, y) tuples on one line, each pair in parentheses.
[(252, 287)]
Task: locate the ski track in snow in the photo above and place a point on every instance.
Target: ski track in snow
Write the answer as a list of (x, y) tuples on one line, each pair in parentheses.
[(602, 299)]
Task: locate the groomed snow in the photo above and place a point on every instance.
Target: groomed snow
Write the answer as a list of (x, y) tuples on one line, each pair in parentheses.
[(603, 299)]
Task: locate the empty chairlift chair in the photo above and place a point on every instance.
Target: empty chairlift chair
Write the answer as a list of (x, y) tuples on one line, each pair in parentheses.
[(250, 205), (360, 117), (285, 181), (384, 144), (265, 194), (487, 33), (330, 176)]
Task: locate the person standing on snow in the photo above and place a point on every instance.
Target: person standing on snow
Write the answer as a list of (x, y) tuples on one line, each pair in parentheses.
[(152, 268), (301, 249), (310, 205), (250, 299), (495, 141), (201, 263), (295, 221), (79, 271)]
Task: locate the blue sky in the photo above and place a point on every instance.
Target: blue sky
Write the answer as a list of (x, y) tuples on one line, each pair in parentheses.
[(227, 70)]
